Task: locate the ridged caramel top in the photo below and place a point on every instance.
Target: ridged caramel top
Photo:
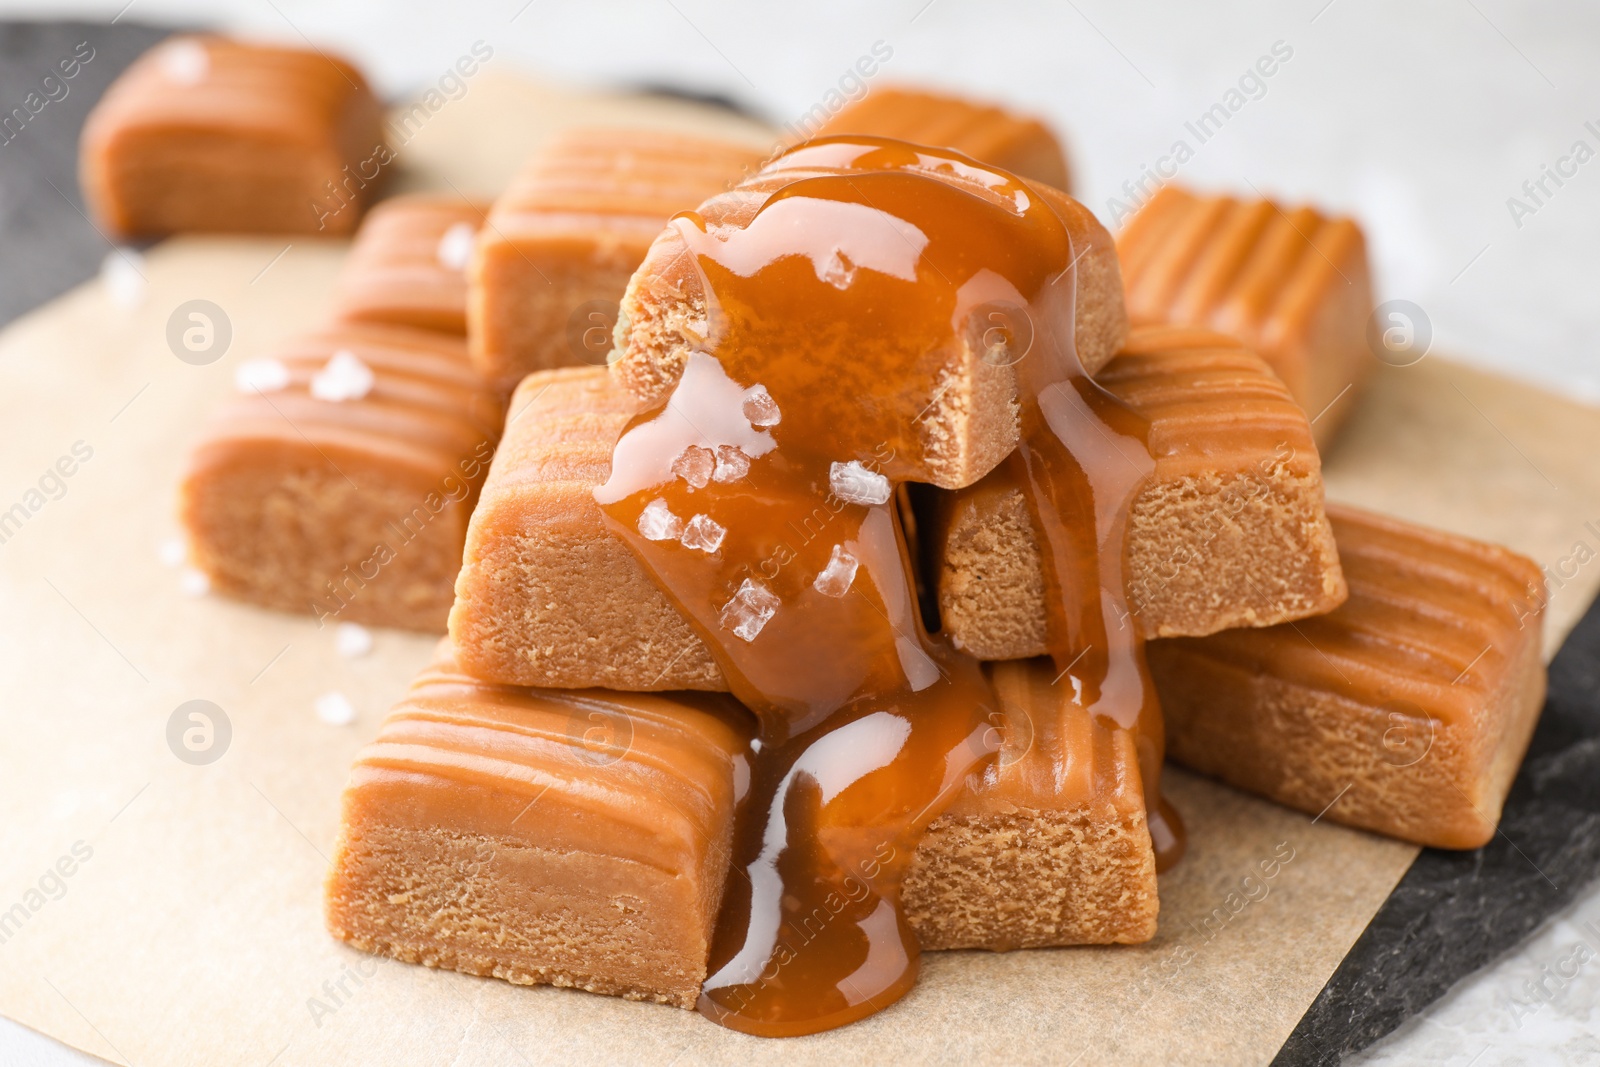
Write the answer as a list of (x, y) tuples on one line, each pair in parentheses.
[(1249, 268), (1017, 143), (640, 776), (426, 411), (401, 268), (627, 181), (1055, 752), (288, 94), (1428, 620)]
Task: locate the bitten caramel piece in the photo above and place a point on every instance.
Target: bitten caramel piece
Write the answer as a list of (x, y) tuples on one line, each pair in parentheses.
[(1292, 284), (1407, 709), (206, 134), (408, 266), (952, 414), (339, 482), (1229, 531), (1051, 847), (542, 836), (563, 239), (1017, 143)]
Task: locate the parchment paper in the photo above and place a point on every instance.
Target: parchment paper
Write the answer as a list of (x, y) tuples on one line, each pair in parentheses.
[(189, 928)]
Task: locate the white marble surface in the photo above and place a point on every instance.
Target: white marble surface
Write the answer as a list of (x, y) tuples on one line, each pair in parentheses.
[(1423, 119)]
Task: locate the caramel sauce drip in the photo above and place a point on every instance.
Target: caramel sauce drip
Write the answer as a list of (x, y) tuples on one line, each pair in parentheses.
[(829, 312)]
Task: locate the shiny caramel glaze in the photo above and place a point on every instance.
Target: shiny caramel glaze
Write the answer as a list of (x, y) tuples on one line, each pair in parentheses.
[(402, 268), (1411, 704), (1016, 143), (264, 119), (1293, 284), (560, 243), (856, 268)]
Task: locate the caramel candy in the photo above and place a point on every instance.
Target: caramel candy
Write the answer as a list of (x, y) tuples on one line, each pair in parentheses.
[(1051, 846), (948, 415), (1228, 532), (205, 134), (563, 239), (1293, 285), (1016, 143), (408, 266), (1405, 711), (552, 837), (340, 482)]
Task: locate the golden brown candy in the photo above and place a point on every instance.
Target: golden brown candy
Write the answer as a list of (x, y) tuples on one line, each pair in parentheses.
[(1292, 284), (408, 266), (1405, 711), (1016, 143), (339, 481), (206, 134), (563, 239), (574, 838), (1229, 531)]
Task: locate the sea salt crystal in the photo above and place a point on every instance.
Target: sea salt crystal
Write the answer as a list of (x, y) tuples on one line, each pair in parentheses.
[(260, 376), (344, 377), (455, 247), (122, 273), (751, 608), (854, 484), (732, 464), (835, 579), (173, 551), (760, 408), (703, 533), (658, 523), (352, 640), (335, 709), (185, 62), (838, 271), (695, 465), (194, 582)]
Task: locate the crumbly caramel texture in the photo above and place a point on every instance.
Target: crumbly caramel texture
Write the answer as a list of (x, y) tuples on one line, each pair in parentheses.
[(1407, 709), (1016, 143), (205, 134), (353, 510), (1229, 532), (970, 420), (561, 242), (1292, 283)]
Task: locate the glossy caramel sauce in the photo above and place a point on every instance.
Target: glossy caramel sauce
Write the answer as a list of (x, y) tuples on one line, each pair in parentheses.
[(869, 264)]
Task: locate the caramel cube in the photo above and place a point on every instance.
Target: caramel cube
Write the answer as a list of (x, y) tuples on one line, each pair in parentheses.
[(542, 836), (561, 242), (1016, 143), (1229, 531), (1292, 284), (1052, 846), (408, 265), (205, 134), (339, 482), (1406, 711)]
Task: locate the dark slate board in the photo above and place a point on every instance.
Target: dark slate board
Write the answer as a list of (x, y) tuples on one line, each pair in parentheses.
[(1452, 913)]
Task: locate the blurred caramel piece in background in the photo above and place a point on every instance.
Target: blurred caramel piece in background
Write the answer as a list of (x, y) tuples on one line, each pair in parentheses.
[(1228, 532), (339, 481), (1051, 845), (570, 838), (1405, 711), (206, 134), (562, 241), (408, 265), (1017, 143), (1292, 284)]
